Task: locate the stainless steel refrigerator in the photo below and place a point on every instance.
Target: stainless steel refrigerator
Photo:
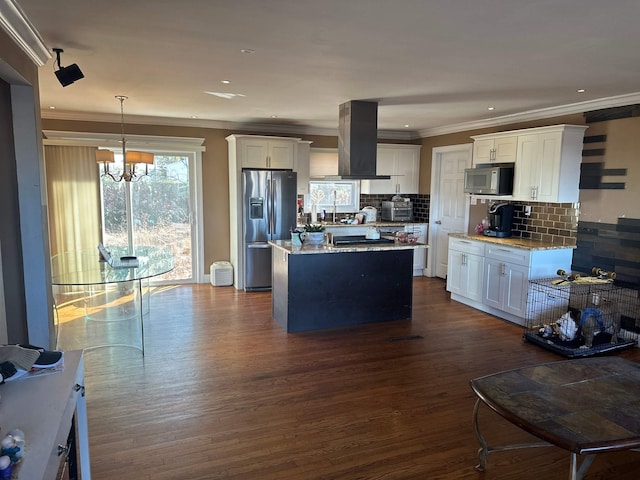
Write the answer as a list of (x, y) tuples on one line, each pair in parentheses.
[(269, 213)]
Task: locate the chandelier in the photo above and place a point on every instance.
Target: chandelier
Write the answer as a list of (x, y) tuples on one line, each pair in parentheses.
[(130, 158)]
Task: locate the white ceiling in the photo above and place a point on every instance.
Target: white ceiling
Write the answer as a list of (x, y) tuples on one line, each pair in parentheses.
[(435, 65)]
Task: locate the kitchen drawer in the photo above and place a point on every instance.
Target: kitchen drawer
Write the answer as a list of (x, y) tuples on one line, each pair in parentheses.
[(56, 457), (517, 256), (467, 246)]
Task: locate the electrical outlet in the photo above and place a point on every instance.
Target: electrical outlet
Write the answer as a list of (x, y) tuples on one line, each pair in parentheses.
[(527, 210)]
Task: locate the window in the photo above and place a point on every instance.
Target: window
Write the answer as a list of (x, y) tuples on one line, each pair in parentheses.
[(156, 210), (344, 195)]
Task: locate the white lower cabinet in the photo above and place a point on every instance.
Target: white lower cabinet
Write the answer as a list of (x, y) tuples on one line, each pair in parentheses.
[(465, 264), (495, 278), (505, 286)]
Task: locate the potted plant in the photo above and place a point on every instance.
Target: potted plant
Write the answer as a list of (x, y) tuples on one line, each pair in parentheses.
[(313, 234)]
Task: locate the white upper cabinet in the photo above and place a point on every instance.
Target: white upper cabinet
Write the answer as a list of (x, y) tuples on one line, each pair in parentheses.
[(253, 151), (548, 164), (302, 166), (495, 149), (402, 163), (547, 160)]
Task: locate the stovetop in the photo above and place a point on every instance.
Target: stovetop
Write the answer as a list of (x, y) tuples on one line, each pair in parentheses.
[(359, 240)]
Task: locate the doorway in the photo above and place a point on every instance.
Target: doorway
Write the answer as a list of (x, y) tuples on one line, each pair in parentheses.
[(449, 206)]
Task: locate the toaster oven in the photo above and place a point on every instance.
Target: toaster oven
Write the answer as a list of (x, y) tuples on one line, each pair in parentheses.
[(397, 212)]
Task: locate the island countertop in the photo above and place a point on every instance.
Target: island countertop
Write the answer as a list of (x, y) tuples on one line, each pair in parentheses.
[(288, 247)]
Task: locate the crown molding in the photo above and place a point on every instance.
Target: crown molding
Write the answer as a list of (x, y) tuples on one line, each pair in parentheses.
[(21, 30), (581, 107), (270, 128), (112, 140)]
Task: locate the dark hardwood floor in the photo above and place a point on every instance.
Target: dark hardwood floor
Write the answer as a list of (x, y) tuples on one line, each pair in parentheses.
[(224, 393)]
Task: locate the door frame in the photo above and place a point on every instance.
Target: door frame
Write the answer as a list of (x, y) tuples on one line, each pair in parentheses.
[(436, 166), (191, 146)]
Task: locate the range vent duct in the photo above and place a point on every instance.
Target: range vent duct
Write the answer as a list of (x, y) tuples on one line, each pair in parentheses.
[(357, 142)]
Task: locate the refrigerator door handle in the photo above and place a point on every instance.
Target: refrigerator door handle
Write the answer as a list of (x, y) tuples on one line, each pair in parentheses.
[(269, 195), (274, 212), (258, 245)]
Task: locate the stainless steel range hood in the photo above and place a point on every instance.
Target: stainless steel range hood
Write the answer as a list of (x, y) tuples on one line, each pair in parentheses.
[(357, 142)]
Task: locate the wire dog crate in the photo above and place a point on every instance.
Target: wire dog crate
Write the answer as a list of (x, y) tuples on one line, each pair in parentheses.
[(579, 318)]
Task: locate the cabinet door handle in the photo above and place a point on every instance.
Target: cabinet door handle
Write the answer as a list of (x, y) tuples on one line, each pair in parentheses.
[(438, 222), (79, 388), (464, 259), (503, 269)]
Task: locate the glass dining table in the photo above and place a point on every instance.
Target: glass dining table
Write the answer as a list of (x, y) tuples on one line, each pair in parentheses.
[(98, 305)]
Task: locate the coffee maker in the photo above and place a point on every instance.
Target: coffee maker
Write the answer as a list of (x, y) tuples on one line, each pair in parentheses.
[(500, 220)]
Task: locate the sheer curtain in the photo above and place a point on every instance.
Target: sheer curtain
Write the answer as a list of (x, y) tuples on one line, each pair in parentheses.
[(73, 195)]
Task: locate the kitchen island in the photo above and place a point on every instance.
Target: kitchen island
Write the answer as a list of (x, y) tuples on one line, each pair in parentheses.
[(326, 287)]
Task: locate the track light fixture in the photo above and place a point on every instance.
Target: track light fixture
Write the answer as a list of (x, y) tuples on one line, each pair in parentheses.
[(67, 75)]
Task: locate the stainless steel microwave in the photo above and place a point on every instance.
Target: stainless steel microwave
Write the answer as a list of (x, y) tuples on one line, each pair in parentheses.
[(489, 180)]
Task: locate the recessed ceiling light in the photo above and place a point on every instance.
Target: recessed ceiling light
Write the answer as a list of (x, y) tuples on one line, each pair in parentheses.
[(228, 96), (406, 126), (274, 116), (52, 107), (226, 82), (194, 116), (491, 109), (581, 90), (248, 50)]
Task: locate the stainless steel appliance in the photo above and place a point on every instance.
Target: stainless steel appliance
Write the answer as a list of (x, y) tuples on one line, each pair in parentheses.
[(357, 142), (489, 180), (397, 211), (269, 213), (359, 240), (500, 220)]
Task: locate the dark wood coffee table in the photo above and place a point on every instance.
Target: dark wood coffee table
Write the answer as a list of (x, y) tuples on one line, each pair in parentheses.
[(585, 406)]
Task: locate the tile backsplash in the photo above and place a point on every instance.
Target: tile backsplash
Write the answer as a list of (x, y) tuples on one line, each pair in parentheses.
[(549, 222), (420, 204)]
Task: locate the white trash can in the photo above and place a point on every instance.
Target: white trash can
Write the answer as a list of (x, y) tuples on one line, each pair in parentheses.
[(221, 274)]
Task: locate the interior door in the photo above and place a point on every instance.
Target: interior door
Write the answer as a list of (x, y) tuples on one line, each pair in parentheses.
[(449, 205)]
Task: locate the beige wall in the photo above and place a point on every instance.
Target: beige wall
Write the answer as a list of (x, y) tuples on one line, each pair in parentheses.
[(622, 145), (622, 150)]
